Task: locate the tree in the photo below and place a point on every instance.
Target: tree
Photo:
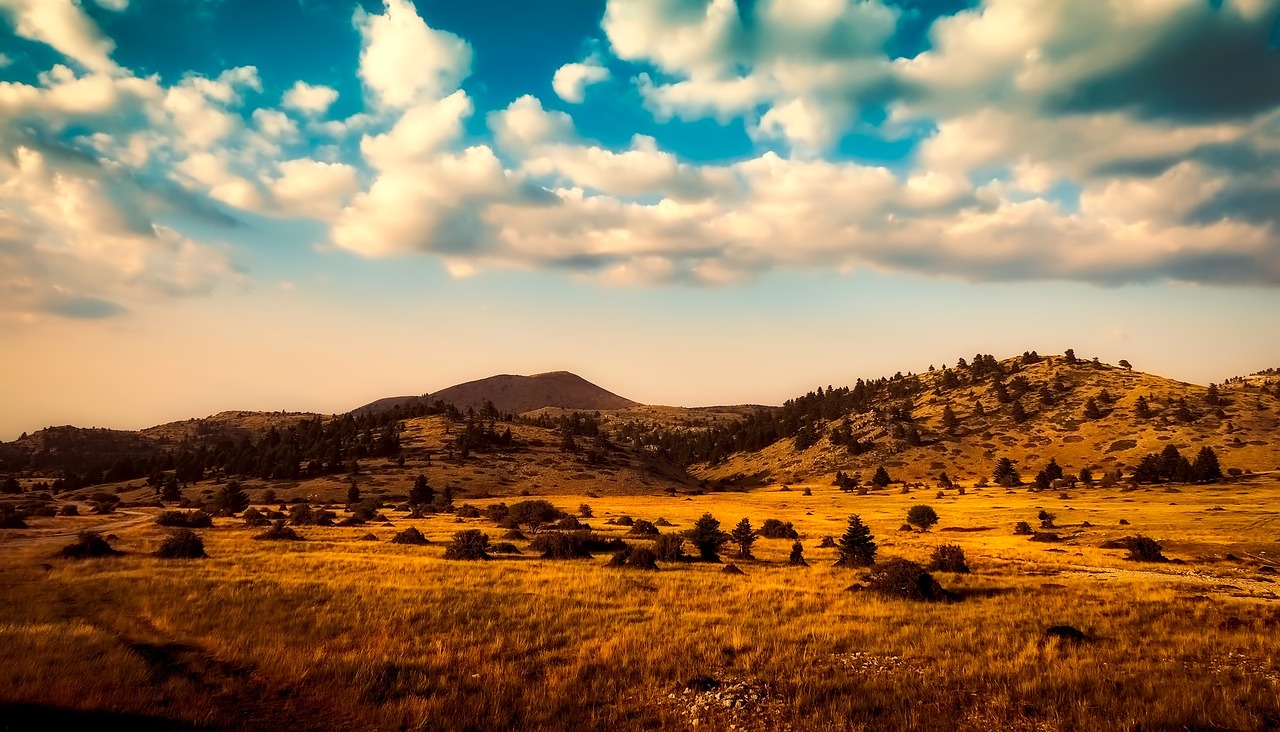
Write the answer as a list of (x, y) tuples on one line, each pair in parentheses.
[(1091, 410), (744, 536), (1017, 412), (707, 537), (1206, 469), (534, 514), (421, 494), (1070, 356), (949, 420), (1006, 474), (797, 555), (857, 548), (353, 493), (10, 486), (1046, 519), (881, 478), (1086, 476), (1054, 470), (170, 491), (468, 544), (1141, 409), (1043, 482), (585, 511), (230, 499), (922, 517), (1126, 365)]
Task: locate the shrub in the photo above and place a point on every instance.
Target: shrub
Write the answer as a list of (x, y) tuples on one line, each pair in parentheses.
[(922, 516), (279, 532), (797, 555), (89, 545), (707, 538), (585, 511), (1145, 549), (182, 544), (1046, 537), (560, 546), (467, 511), (637, 558), (1022, 528), (497, 512), (775, 529), (410, 536), (663, 522), (949, 558), (570, 523), (643, 528), (468, 544), (904, 579), (505, 547), (69, 509), (624, 520), (1046, 519), (534, 514), (857, 547), (827, 542), (11, 519), (669, 547), (303, 515), (185, 519), (254, 517), (514, 534)]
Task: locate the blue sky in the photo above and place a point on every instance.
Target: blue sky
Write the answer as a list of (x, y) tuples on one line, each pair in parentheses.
[(690, 201)]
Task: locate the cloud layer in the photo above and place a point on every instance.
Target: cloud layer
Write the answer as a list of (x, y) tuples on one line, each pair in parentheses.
[(1100, 142)]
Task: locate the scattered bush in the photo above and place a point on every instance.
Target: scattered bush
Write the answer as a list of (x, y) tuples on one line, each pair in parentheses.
[(497, 512), (1145, 549), (468, 544), (410, 536), (904, 579), (1022, 528), (585, 511), (303, 515), (279, 532), (182, 544), (637, 558), (669, 547), (923, 517), (1046, 537), (827, 542), (535, 513), (663, 522), (732, 569), (505, 547), (560, 546), (1046, 519), (11, 519), (570, 523), (69, 509), (369, 537), (775, 529), (254, 517), (185, 519), (624, 521), (89, 545), (514, 534), (467, 511), (643, 528), (949, 558)]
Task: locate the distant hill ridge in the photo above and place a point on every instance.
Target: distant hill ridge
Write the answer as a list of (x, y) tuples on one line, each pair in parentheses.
[(515, 394)]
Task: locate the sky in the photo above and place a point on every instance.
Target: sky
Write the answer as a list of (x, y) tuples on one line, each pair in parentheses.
[(311, 204)]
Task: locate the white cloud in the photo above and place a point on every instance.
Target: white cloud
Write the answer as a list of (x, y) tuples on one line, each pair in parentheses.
[(404, 61), (312, 100), (571, 80), (313, 188), (524, 125), (63, 25)]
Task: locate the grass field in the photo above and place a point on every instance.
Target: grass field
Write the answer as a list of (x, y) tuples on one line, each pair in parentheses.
[(339, 633)]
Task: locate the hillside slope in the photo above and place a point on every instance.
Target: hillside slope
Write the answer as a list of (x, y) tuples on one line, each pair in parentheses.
[(1242, 424), (518, 394)]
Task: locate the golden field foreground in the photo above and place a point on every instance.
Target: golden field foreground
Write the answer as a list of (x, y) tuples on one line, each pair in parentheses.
[(336, 632)]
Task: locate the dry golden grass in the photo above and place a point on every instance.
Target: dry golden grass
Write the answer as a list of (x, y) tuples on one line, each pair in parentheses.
[(337, 633)]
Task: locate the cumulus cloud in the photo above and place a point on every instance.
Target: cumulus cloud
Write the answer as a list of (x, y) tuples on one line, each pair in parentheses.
[(308, 99), (64, 26), (571, 80), (403, 60)]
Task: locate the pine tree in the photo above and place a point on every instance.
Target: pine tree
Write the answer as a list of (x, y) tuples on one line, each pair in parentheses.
[(353, 493), (1017, 412), (949, 421), (1206, 468), (707, 537), (857, 548), (1054, 470), (1086, 476), (1005, 473), (744, 536), (1091, 410), (421, 494), (230, 499), (1141, 409), (881, 478), (797, 555)]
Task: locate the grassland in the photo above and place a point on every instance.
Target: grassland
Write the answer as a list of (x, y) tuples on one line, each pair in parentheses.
[(339, 633)]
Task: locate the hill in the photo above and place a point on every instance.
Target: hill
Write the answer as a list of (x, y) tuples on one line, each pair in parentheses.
[(519, 394), (903, 424)]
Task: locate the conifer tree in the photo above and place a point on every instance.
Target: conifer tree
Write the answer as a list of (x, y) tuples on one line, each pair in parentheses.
[(857, 548), (1206, 468), (1091, 410), (1141, 409), (797, 555), (1005, 473), (707, 537), (744, 536), (1017, 412), (881, 478), (949, 420)]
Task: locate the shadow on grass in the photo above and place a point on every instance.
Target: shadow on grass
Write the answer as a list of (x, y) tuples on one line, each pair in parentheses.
[(38, 716)]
